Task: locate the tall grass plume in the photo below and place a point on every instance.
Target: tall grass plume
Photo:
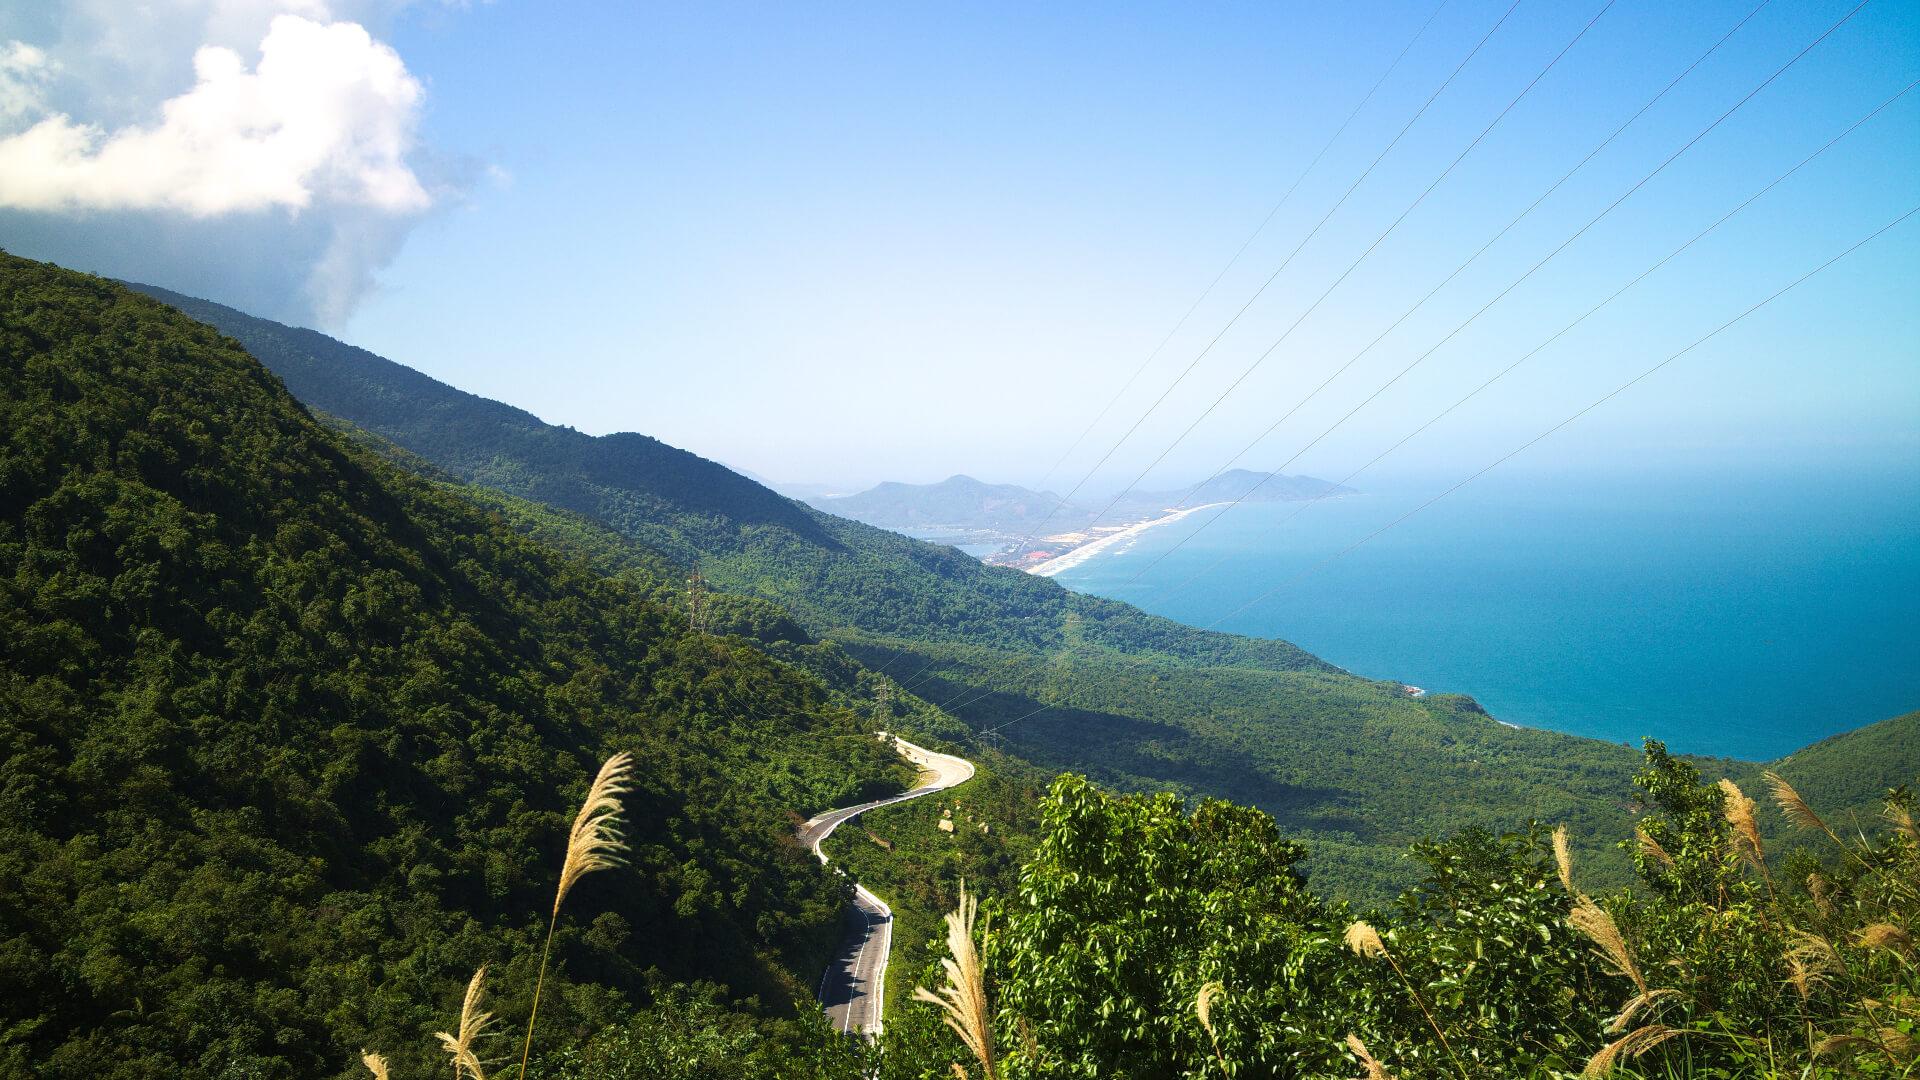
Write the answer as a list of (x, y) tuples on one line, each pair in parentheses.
[(593, 844), (1375, 1070), (1593, 921), (963, 1000), (1746, 828), (1563, 857), (1203, 1008), (462, 1045)]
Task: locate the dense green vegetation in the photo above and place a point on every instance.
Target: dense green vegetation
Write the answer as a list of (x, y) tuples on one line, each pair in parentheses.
[(1850, 773), (291, 737), (1139, 702), (293, 720), (1156, 940)]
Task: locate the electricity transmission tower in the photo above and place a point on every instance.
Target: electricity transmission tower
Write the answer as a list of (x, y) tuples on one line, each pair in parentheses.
[(697, 602)]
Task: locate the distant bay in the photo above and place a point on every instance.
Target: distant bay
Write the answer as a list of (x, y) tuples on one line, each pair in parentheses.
[(1740, 615)]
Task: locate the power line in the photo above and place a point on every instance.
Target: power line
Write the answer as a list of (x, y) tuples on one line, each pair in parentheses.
[(1562, 332), (1242, 250), (1603, 399), (914, 679), (1610, 138), (1624, 387), (1509, 227), (1355, 265), (1648, 178), (1068, 497), (1516, 283)]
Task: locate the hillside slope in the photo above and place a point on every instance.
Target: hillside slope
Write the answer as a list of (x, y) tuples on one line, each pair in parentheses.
[(291, 738), (1847, 776), (832, 572), (1130, 699)]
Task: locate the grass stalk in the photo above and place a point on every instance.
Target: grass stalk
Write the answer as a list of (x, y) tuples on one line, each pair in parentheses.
[(592, 844)]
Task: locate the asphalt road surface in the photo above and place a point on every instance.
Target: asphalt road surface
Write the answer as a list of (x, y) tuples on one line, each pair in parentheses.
[(853, 988)]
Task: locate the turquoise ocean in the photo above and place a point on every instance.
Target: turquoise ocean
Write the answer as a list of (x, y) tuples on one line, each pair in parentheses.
[(1743, 614)]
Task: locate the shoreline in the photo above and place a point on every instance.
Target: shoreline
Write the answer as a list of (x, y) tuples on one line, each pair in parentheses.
[(1073, 557)]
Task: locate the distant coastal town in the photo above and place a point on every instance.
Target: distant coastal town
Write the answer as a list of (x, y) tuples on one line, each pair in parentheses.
[(1063, 551)]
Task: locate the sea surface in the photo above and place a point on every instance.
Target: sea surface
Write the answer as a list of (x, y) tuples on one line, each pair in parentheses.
[(1741, 615)]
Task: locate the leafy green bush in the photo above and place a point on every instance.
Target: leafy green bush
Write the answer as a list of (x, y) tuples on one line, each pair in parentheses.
[(1147, 939)]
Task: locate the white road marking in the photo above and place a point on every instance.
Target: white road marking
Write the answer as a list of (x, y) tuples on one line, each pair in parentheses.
[(948, 771)]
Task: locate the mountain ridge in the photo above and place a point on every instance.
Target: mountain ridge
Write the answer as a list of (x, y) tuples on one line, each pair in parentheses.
[(1353, 765), (292, 735)]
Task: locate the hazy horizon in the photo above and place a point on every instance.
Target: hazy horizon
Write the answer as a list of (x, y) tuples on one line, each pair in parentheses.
[(863, 244)]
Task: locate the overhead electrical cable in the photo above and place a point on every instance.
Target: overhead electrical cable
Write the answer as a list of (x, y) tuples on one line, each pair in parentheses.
[(1562, 332), (1556, 251), (1617, 391), (1596, 403), (1354, 265), (1431, 98), (915, 678), (1496, 238), (1516, 283), (1242, 250)]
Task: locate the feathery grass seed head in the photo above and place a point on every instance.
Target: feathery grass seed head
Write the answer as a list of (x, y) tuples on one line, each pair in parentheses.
[(473, 1025), (1203, 1004), (1631, 1045), (1792, 805), (1902, 819), (1809, 960), (1375, 1070), (1886, 936), (1746, 829), (375, 1064), (1643, 1000), (1651, 849), (1365, 941), (1821, 891), (963, 1000), (1563, 857), (1592, 920), (594, 842), (1898, 1043)]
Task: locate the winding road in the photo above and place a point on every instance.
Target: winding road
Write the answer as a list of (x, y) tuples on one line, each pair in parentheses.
[(853, 988)]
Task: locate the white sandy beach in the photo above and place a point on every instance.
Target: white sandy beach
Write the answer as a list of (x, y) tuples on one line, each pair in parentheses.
[(1091, 548)]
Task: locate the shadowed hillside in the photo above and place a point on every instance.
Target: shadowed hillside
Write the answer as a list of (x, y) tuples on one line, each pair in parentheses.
[(291, 737)]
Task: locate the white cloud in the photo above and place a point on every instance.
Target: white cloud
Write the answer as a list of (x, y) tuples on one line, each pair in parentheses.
[(328, 116), (24, 71), (136, 141)]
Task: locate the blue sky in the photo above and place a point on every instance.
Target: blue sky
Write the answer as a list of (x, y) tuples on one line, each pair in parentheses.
[(853, 242)]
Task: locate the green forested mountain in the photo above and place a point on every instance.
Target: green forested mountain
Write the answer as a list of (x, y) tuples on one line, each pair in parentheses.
[(833, 573), (292, 721), (1848, 774), (1134, 701), (1141, 702), (291, 737)]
